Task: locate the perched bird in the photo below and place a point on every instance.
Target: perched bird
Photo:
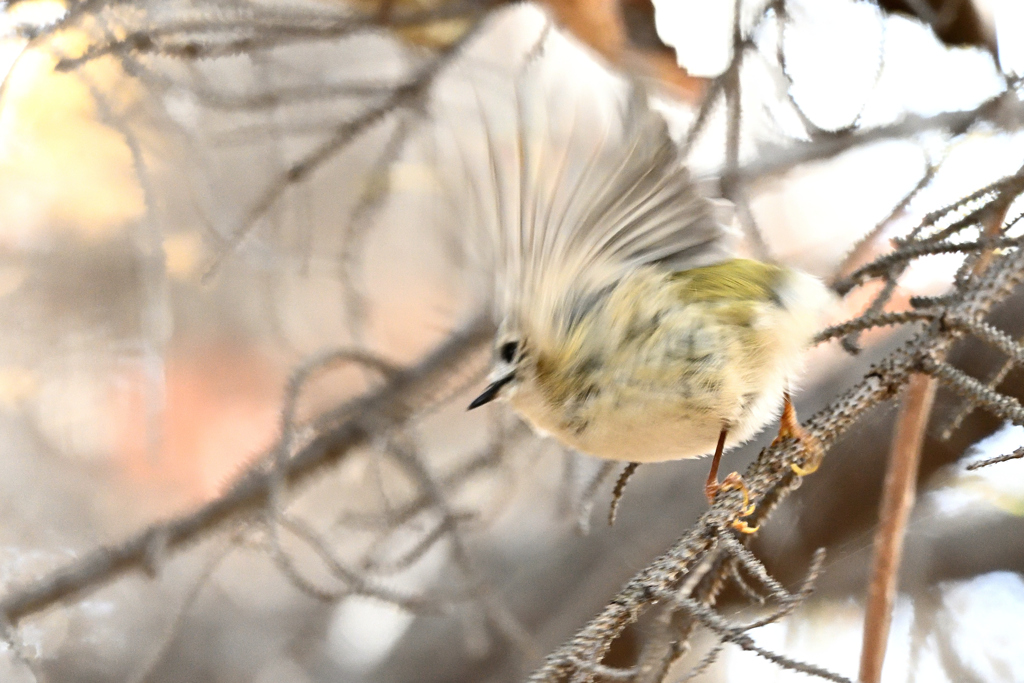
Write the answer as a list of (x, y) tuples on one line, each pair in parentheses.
[(630, 331)]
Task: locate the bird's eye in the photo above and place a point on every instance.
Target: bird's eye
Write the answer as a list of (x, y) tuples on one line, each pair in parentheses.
[(507, 352)]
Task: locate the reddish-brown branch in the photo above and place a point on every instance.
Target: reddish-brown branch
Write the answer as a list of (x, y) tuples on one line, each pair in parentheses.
[(897, 501)]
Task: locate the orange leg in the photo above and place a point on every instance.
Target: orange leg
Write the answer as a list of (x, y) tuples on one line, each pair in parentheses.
[(789, 428), (733, 481), (711, 487)]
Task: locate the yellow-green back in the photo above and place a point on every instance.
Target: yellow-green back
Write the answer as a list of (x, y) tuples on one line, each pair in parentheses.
[(734, 280)]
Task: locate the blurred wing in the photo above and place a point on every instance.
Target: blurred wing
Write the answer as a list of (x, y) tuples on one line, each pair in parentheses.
[(639, 205), (583, 178), (602, 186)]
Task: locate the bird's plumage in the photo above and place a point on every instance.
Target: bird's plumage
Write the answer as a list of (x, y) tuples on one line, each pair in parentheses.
[(629, 329), (656, 368), (596, 205)]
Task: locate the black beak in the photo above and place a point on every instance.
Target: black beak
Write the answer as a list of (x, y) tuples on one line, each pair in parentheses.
[(491, 392)]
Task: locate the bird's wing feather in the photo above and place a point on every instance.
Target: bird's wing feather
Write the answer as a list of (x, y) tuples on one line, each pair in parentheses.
[(587, 183)]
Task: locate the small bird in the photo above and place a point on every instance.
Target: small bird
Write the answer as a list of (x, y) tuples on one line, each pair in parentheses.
[(630, 330)]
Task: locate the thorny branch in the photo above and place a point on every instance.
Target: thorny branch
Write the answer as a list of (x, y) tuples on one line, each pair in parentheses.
[(976, 292), (770, 478)]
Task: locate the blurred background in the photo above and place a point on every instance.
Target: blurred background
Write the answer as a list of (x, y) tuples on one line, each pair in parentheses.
[(196, 198)]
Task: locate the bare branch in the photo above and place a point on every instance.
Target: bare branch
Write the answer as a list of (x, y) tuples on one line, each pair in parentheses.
[(1016, 455), (376, 412), (1004, 111), (406, 95), (897, 502)]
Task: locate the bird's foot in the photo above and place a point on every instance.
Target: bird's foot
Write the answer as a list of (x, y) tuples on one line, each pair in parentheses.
[(789, 428), (735, 481)]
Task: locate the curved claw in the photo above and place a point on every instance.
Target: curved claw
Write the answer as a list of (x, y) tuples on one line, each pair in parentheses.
[(804, 471), (735, 481), (744, 528)]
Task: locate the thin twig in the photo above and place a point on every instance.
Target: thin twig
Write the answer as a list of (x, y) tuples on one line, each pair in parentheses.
[(174, 626), (1003, 111), (1016, 455), (737, 635), (862, 248), (589, 493), (620, 486), (184, 39)]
